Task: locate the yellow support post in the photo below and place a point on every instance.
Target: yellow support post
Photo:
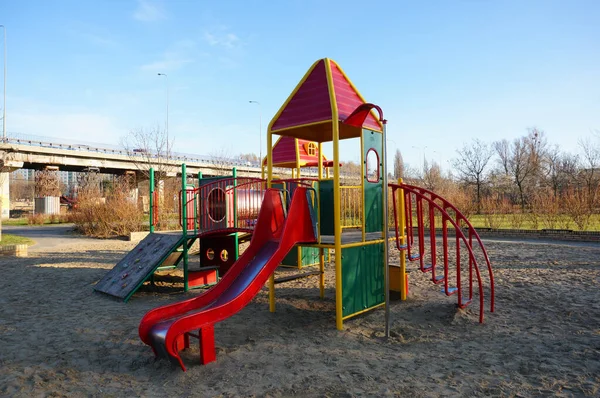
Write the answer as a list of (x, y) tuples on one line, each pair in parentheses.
[(322, 269), (269, 178), (402, 227), (335, 124)]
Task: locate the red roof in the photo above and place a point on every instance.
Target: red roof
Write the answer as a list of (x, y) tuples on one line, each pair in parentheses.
[(284, 152), (310, 103)]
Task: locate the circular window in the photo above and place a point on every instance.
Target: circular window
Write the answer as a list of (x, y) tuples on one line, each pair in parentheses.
[(224, 255), (216, 204), (210, 254)]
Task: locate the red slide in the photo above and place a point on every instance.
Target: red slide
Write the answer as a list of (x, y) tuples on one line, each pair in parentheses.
[(167, 329)]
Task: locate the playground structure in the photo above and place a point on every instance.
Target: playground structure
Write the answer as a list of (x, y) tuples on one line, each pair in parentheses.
[(283, 214)]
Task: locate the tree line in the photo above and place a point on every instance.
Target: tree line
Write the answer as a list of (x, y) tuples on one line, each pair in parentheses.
[(525, 177)]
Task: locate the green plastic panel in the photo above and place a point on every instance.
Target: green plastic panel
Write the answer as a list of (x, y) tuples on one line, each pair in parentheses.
[(362, 278), (310, 256), (326, 207), (373, 190)]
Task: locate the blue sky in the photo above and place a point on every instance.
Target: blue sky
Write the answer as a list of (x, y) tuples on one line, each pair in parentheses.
[(444, 72)]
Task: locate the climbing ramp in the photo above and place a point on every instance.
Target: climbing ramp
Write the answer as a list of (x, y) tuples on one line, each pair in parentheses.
[(154, 251), (425, 213)]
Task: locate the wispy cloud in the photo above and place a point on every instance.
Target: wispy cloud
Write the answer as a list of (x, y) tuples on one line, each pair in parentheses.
[(180, 54), (226, 46), (222, 39), (148, 11)]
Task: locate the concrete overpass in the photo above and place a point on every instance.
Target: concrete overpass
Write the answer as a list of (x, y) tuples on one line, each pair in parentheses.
[(42, 152), (37, 155)]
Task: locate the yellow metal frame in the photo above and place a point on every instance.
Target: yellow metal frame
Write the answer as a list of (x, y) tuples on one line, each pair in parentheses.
[(337, 227), (363, 311), (402, 227)]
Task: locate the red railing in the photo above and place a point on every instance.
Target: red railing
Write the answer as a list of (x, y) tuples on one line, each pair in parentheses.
[(437, 204), (225, 205), (230, 204)]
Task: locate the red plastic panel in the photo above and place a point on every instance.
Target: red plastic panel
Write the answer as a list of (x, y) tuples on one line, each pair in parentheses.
[(202, 278)]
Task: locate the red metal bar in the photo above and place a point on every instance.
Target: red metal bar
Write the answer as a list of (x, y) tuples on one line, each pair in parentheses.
[(431, 197), (461, 218), (410, 240), (396, 222), (421, 232), (458, 280), (432, 243), (470, 266), (445, 246)]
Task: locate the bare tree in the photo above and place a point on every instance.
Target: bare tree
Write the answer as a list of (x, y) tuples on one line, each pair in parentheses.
[(522, 160), (471, 165), (503, 150), (47, 183), (590, 168), (150, 148), (221, 159), (250, 157), (398, 164), (560, 169), (433, 178)]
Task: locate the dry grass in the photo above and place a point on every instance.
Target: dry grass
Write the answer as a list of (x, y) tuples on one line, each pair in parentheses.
[(115, 214)]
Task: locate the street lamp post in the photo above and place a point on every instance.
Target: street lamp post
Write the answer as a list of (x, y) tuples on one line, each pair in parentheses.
[(4, 102), (167, 118), (259, 131), (423, 149)]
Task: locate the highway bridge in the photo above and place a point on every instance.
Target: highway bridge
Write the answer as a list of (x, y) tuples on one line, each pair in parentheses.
[(40, 153)]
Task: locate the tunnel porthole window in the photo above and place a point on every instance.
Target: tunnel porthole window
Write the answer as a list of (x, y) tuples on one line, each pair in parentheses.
[(216, 205), (224, 255), (372, 166), (210, 254)]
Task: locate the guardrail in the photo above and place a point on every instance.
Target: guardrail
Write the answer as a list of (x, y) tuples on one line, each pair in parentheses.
[(48, 142)]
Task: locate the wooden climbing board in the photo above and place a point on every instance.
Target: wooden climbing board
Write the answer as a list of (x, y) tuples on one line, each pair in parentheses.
[(141, 262)]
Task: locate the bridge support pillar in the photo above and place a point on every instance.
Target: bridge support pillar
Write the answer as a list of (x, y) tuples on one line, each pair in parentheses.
[(4, 194)]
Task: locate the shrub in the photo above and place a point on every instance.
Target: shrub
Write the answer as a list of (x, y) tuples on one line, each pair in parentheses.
[(115, 215), (575, 204), (36, 219), (494, 211), (516, 217), (546, 205)]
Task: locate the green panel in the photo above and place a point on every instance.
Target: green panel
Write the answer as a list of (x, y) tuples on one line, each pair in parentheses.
[(291, 259), (310, 256), (373, 190), (326, 207), (362, 278)]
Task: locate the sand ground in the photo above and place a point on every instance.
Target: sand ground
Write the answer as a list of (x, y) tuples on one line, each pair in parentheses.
[(60, 338)]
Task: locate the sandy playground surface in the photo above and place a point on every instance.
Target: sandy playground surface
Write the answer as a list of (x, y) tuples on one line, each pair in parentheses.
[(60, 338)]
